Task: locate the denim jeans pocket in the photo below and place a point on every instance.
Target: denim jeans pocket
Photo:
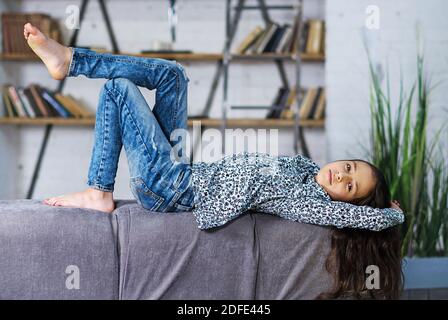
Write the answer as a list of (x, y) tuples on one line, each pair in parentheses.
[(144, 195), (185, 202)]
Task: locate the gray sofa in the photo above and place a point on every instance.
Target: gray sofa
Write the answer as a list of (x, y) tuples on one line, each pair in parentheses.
[(69, 253)]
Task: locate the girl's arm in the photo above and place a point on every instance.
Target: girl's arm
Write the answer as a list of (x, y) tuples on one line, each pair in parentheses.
[(334, 213)]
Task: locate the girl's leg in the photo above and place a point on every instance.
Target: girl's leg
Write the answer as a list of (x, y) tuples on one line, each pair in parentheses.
[(168, 77), (158, 181), (151, 177)]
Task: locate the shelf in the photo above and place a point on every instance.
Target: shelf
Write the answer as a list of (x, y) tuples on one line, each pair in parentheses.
[(18, 57), (45, 121), (186, 56), (275, 56), (178, 56), (208, 122), (271, 123)]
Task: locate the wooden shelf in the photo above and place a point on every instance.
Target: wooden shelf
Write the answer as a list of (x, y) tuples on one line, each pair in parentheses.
[(256, 123), (208, 122), (270, 56), (186, 56), (45, 121), (18, 57), (179, 56), (169, 56)]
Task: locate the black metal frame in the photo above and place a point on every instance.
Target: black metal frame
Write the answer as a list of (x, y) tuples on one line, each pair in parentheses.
[(49, 127), (230, 33)]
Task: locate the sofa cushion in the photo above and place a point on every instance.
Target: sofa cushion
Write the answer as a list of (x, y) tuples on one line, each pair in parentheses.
[(256, 256), (42, 248)]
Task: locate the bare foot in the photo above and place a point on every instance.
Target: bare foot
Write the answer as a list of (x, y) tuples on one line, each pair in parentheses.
[(55, 56), (89, 198)]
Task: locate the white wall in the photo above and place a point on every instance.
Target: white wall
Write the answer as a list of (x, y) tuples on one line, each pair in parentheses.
[(394, 43), (136, 23)]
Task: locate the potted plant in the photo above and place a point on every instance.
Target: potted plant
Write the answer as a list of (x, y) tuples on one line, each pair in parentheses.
[(417, 171)]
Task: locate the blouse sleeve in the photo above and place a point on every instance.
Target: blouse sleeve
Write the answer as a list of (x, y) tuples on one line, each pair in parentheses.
[(334, 213)]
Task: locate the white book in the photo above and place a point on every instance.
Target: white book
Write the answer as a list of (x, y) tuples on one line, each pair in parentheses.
[(26, 103), (285, 39), (268, 37)]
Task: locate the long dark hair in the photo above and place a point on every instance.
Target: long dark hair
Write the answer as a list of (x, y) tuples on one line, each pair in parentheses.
[(353, 250)]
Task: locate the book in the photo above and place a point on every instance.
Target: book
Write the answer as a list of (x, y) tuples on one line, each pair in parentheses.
[(278, 103), (17, 104), (320, 110), (284, 40), (304, 36), (315, 34), (39, 101), (55, 104), (307, 103), (272, 44), (291, 45), (67, 105), (269, 34), (51, 110), (28, 94), (314, 104), (8, 104), (253, 48), (288, 112), (282, 103), (73, 104), (26, 104), (249, 40)]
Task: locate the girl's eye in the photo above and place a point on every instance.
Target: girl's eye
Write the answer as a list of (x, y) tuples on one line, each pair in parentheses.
[(349, 187), (348, 166)]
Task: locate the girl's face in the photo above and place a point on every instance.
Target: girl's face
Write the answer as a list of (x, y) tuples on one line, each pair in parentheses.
[(346, 180)]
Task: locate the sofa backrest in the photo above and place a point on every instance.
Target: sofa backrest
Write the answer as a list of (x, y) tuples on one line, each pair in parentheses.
[(256, 256)]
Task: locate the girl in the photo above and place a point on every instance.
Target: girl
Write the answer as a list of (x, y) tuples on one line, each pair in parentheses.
[(346, 193)]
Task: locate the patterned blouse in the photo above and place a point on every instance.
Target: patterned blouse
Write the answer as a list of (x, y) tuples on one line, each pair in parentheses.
[(284, 186)]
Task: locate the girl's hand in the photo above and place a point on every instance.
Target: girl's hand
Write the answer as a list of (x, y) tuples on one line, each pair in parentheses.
[(394, 204)]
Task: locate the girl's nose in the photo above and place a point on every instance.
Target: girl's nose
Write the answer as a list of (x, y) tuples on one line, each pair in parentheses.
[(340, 176)]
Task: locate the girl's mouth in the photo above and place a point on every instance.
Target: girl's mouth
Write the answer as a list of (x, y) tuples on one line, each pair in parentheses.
[(329, 176)]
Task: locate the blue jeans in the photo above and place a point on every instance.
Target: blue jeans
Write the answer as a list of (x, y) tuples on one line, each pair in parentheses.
[(158, 181)]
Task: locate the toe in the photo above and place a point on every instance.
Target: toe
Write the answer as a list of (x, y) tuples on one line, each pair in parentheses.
[(52, 201), (30, 28)]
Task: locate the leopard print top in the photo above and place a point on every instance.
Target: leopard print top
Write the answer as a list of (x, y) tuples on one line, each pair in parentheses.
[(284, 186)]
